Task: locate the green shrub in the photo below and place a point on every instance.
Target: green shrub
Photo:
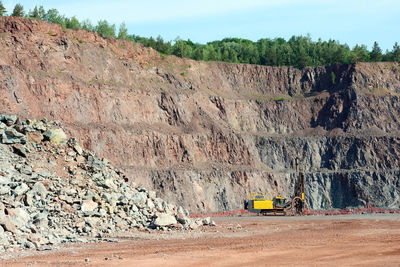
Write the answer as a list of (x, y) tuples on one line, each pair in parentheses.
[(333, 78)]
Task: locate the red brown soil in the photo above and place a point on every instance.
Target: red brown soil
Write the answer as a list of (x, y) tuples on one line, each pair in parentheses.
[(362, 240)]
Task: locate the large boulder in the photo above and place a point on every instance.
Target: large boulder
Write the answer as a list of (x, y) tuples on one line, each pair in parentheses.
[(12, 136), (19, 216), (8, 119), (165, 219), (21, 189), (35, 137), (39, 189), (88, 205), (139, 198), (56, 136), (6, 223)]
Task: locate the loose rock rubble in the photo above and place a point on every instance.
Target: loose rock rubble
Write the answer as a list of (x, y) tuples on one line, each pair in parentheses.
[(52, 191)]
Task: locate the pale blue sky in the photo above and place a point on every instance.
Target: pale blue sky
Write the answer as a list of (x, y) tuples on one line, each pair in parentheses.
[(349, 21)]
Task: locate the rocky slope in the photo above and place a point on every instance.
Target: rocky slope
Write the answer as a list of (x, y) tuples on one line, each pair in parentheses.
[(206, 134), (52, 191)]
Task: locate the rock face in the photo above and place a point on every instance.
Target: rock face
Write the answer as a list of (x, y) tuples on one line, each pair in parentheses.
[(206, 134), (54, 194)]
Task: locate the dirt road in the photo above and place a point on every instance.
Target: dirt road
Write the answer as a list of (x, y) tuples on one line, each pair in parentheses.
[(362, 240)]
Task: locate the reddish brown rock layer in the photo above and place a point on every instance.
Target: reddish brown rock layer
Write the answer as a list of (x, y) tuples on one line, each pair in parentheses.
[(205, 134)]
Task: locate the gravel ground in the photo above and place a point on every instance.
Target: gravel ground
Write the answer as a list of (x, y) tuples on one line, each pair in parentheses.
[(369, 239)]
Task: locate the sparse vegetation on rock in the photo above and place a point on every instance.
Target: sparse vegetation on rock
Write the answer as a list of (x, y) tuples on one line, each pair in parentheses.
[(299, 51)]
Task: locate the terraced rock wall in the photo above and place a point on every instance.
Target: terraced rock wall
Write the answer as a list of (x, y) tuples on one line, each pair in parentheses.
[(203, 135)]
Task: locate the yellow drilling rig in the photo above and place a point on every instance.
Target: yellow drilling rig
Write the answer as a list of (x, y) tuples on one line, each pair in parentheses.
[(264, 203)]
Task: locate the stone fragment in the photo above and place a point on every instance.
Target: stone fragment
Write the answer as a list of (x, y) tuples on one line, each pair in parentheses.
[(152, 195), (7, 224), (78, 149), (206, 221), (150, 204), (139, 198), (11, 132), (2, 126), (18, 216), (44, 248), (108, 183), (21, 189), (8, 119), (35, 137), (102, 212), (182, 220), (44, 173), (66, 198), (80, 159), (88, 205), (56, 136), (11, 136), (26, 169), (28, 199), (40, 126), (165, 219), (181, 210), (20, 150), (92, 222), (193, 225), (4, 189), (95, 163), (145, 213), (41, 222), (39, 189), (134, 208), (4, 180), (158, 205), (28, 244)]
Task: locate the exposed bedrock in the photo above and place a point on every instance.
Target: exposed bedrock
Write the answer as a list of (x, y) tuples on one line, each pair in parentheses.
[(206, 134)]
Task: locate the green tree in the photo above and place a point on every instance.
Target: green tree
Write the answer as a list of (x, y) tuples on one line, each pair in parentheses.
[(359, 54), (72, 23), (2, 10), (396, 52), (198, 53), (34, 14), (181, 48), (42, 13), (376, 53), (151, 42), (105, 29), (52, 16), (123, 31), (18, 11), (302, 59), (161, 46), (87, 25), (210, 52)]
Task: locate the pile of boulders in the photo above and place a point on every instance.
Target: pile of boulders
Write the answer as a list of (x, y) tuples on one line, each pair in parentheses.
[(52, 191)]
